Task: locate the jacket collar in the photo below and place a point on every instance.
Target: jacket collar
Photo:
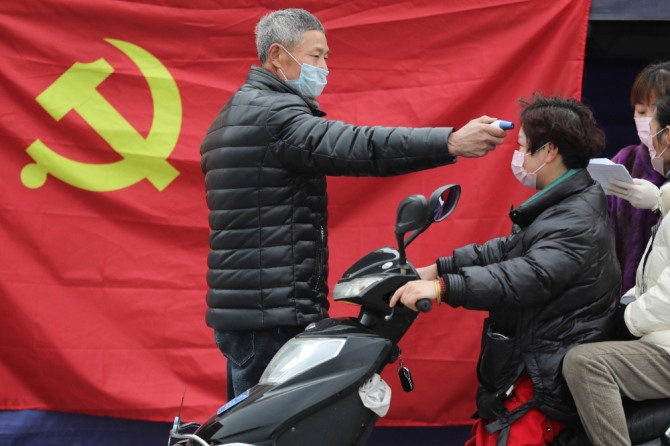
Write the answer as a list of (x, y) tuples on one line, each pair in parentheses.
[(261, 78), (525, 214)]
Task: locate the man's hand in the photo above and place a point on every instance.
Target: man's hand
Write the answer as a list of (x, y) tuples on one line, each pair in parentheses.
[(642, 194), (476, 138)]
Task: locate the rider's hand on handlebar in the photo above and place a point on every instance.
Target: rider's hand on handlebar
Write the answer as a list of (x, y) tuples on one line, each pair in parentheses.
[(411, 292), (476, 138)]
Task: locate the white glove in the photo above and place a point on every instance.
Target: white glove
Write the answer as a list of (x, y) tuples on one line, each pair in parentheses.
[(642, 194)]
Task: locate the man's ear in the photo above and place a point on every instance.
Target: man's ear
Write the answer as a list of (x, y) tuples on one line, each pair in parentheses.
[(274, 52)]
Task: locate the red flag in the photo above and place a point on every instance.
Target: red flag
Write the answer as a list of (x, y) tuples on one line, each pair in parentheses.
[(103, 223)]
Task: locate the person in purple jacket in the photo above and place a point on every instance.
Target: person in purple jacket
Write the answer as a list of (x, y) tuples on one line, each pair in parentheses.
[(630, 217)]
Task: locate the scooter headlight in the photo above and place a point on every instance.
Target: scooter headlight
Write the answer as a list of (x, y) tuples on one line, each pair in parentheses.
[(354, 287), (299, 355)]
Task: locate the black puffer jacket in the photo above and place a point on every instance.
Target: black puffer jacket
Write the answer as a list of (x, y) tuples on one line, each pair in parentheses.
[(552, 284), (265, 159)]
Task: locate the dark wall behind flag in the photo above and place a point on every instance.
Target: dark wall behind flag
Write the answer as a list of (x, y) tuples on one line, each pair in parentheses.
[(103, 224)]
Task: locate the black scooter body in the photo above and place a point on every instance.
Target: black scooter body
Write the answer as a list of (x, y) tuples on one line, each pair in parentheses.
[(325, 398), (318, 402)]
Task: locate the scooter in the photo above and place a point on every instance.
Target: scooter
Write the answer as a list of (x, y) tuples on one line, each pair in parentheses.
[(328, 375)]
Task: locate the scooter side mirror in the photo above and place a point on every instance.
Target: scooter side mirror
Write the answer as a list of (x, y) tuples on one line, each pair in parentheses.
[(416, 214), (442, 202), (411, 217), (439, 206), (411, 214)]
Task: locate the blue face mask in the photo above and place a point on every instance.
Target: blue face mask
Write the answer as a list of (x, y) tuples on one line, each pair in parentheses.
[(312, 80)]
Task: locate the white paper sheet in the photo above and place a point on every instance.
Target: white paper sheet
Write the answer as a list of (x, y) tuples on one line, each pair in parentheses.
[(603, 170)]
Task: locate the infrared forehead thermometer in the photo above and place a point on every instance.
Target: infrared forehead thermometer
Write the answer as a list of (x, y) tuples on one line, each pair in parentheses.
[(505, 125)]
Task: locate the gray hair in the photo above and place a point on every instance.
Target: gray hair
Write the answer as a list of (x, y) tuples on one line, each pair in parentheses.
[(285, 27)]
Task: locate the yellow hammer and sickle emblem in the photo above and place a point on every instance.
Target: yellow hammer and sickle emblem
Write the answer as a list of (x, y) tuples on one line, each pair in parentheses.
[(142, 157)]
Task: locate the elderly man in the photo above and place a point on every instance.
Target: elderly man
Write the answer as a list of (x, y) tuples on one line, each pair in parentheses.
[(266, 157)]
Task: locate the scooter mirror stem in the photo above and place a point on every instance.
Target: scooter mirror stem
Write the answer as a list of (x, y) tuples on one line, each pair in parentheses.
[(402, 260)]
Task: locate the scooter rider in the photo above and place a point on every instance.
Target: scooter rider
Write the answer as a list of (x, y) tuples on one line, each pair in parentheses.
[(553, 283)]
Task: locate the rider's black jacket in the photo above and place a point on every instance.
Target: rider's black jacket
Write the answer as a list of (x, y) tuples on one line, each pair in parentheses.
[(265, 158), (552, 284)]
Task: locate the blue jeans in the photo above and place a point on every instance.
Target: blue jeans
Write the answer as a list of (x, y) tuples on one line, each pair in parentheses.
[(249, 352)]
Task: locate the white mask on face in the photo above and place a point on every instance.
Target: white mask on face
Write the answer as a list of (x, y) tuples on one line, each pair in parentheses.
[(642, 125), (528, 179)]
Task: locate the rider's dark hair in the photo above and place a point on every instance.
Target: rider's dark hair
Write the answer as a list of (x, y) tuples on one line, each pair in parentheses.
[(565, 122)]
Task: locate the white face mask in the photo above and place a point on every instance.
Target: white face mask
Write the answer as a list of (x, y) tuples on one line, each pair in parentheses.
[(642, 125), (656, 160), (528, 179)]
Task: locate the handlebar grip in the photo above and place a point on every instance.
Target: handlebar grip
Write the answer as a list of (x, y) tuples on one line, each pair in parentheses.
[(424, 305)]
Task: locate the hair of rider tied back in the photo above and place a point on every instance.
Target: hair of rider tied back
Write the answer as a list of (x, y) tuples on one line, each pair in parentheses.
[(650, 83), (286, 27), (567, 124)]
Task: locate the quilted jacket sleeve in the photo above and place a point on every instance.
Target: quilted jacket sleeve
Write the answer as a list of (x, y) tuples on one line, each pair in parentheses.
[(311, 144), (550, 254)]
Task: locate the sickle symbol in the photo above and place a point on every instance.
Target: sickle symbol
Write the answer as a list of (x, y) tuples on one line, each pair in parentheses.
[(142, 157)]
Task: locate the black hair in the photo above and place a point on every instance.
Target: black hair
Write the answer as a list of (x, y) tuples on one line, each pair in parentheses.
[(565, 122)]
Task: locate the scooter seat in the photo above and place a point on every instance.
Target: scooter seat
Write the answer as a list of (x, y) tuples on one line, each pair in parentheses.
[(647, 420)]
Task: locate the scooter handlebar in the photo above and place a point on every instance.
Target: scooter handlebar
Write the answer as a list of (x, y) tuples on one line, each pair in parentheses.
[(424, 305)]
